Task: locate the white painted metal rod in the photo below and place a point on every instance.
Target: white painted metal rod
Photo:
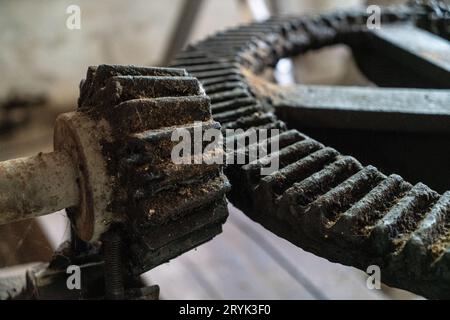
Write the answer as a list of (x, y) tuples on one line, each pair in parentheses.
[(35, 186)]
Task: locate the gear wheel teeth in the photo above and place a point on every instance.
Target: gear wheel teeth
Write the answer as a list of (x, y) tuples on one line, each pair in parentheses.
[(302, 194), (328, 206), (428, 245), (170, 208), (171, 240), (192, 62), (213, 83), (233, 104), (98, 76), (433, 16), (216, 73), (128, 115), (257, 121), (119, 89), (225, 86), (280, 181), (355, 223), (391, 230), (233, 115), (318, 199)]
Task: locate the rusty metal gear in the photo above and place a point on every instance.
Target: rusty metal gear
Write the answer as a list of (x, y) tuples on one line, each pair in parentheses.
[(320, 200), (169, 208), (112, 168), (435, 17)]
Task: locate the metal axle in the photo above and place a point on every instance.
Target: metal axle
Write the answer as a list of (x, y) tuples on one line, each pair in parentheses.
[(37, 185)]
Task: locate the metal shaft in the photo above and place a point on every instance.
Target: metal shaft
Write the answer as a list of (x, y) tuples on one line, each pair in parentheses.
[(37, 185)]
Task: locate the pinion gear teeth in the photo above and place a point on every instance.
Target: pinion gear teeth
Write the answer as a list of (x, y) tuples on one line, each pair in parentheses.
[(169, 208), (112, 166)]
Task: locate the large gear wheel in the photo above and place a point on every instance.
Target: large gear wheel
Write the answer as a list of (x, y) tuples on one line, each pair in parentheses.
[(320, 200)]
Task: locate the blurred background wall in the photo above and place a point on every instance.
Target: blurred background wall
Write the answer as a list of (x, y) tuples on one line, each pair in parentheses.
[(39, 54)]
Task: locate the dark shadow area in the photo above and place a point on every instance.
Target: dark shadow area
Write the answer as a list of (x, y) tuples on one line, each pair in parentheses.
[(418, 157)]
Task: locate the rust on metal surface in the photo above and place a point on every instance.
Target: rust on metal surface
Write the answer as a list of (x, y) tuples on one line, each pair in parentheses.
[(112, 167)]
